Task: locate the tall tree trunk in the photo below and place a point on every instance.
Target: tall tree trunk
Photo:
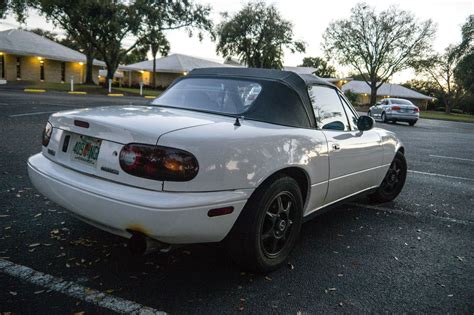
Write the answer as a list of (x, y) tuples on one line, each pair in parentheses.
[(89, 67), (154, 52), (111, 68), (373, 94), (447, 106)]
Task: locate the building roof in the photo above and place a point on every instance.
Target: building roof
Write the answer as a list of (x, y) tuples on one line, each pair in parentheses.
[(387, 89), (174, 63), (300, 70), (24, 43)]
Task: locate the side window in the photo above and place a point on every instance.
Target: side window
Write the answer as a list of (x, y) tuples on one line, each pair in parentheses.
[(351, 115), (327, 108)]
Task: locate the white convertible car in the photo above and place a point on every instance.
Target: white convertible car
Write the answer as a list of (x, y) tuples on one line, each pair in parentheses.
[(238, 155)]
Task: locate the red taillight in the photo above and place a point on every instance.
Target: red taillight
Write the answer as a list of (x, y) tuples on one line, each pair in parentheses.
[(416, 110), (395, 107), (158, 163), (48, 130)]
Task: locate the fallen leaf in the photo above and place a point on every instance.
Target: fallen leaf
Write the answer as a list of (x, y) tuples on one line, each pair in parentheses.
[(13, 293), (332, 289), (39, 292), (268, 278), (34, 245), (38, 215)]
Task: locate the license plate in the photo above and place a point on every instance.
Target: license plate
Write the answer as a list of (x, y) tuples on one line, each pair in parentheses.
[(86, 150)]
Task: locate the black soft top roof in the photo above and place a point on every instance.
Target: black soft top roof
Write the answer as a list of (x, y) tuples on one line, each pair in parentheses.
[(296, 82)]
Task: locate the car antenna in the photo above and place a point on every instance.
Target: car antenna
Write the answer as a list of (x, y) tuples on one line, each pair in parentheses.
[(237, 121)]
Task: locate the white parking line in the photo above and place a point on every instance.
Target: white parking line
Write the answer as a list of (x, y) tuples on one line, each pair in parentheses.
[(440, 175), (32, 114), (74, 290), (451, 158)]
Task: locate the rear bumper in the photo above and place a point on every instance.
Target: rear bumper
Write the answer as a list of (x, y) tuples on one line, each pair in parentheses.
[(402, 116), (175, 218)]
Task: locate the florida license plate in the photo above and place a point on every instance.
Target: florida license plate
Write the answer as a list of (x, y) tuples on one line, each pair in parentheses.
[(86, 150)]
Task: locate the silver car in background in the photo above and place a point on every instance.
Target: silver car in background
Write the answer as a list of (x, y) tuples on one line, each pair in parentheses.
[(395, 109)]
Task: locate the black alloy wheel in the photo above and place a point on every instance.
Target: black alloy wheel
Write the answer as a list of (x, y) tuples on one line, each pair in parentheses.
[(277, 224), (393, 182), (269, 225)]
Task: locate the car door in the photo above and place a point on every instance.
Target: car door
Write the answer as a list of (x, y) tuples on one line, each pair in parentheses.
[(355, 157), (379, 109)]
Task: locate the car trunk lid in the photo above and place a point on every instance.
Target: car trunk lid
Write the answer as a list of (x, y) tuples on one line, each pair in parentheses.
[(90, 140)]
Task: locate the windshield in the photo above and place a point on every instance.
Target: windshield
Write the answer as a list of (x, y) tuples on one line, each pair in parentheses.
[(401, 101), (226, 96)]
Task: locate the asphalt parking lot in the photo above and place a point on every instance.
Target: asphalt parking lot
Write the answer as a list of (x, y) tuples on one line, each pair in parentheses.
[(411, 255)]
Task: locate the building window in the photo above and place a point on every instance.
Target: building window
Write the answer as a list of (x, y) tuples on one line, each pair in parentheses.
[(2, 63), (63, 71), (42, 70), (18, 67)]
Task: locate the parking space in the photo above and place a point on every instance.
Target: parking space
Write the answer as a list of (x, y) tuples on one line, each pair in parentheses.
[(413, 254)]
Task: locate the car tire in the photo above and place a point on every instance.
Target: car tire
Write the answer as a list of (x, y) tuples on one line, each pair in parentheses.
[(384, 117), (393, 182), (268, 227), (412, 123)]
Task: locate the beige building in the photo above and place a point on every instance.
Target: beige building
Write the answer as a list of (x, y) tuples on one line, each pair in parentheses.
[(27, 56), (167, 69)]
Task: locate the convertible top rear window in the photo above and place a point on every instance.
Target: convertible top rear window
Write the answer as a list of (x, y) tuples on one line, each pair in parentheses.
[(259, 99), (225, 96)]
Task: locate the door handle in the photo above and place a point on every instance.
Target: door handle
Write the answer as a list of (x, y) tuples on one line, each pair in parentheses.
[(336, 146)]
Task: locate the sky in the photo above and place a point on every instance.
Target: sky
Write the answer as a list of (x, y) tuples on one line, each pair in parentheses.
[(310, 18)]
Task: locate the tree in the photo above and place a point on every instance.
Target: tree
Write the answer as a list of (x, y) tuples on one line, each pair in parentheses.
[(102, 26), (45, 33), (257, 35), (440, 69), (452, 71), (157, 42), (378, 45), (136, 55), (464, 71), (323, 69)]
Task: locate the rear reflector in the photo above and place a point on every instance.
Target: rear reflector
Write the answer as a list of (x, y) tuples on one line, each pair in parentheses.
[(80, 123), (220, 211)]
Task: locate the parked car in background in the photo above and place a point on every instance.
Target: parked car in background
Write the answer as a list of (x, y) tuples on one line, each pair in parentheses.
[(395, 109), (238, 155)]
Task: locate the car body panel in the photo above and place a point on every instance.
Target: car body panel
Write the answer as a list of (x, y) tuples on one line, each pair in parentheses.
[(406, 113), (235, 156), (243, 157), (169, 217)]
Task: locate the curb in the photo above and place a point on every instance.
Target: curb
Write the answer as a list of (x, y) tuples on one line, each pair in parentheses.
[(149, 96), (78, 92), (114, 94), (34, 90)]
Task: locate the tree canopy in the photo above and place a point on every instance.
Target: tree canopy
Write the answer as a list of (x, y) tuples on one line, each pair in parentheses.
[(378, 45), (102, 27), (257, 36), (452, 71), (323, 69)]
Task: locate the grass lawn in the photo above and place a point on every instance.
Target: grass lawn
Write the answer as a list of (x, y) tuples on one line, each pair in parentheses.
[(90, 89), (444, 116)]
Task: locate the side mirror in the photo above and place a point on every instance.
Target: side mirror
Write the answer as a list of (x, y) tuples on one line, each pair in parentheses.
[(365, 123)]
